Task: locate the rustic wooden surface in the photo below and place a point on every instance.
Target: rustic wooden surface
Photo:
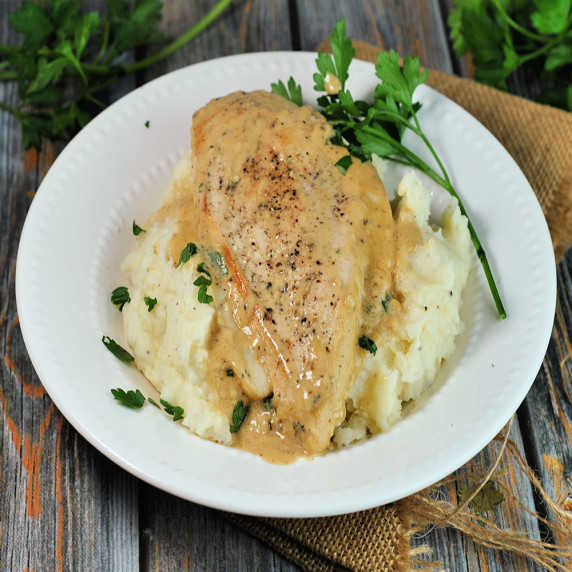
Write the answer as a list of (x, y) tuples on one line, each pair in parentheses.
[(64, 506)]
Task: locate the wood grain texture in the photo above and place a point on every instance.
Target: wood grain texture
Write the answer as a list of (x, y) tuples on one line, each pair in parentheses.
[(64, 505)]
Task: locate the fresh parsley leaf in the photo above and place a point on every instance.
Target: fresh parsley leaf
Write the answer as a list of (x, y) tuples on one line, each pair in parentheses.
[(68, 58), (292, 93), (132, 399), (177, 412), (344, 163), (229, 372), (119, 352), (202, 268), (150, 302), (238, 416), (203, 282), (153, 402), (505, 36), (137, 230), (189, 250), (147, 124), (367, 344), (120, 297), (485, 500)]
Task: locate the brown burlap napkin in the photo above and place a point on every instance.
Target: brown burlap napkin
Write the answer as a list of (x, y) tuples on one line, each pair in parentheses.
[(539, 138)]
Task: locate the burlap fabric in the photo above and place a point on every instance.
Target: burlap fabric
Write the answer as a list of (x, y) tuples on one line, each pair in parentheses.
[(539, 138)]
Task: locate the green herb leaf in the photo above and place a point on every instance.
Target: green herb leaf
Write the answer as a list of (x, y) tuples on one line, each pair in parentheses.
[(119, 352), (485, 500), (77, 55), (203, 282), (189, 250), (132, 399), (120, 297), (269, 403), (153, 402), (137, 230), (177, 412), (229, 372), (150, 302), (238, 416), (292, 93), (344, 163), (367, 344)]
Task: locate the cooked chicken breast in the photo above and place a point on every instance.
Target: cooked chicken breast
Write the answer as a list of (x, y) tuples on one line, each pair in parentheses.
[(300, 255)]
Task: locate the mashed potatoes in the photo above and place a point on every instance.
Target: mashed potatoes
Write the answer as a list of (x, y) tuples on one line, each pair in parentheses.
[(170, 343)]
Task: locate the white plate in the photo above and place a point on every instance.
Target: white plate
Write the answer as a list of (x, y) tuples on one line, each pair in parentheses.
[(79, 229)]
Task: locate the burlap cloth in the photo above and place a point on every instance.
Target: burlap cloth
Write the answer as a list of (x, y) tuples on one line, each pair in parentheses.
[(539, 138)]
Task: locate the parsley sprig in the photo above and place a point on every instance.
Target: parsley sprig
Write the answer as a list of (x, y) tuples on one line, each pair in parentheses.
[(377, 128), (504, 36), (69, 58)]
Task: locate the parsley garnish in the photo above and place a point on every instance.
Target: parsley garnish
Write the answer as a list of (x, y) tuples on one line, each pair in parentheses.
[(229, 372), (151, 302), (238, 416), (385, 303), (376, 128), (119, 352), (147, 124), (177, 412), (68, 58), (120, 297), (269, 403), (344, 163), (504, 36), (132, 399), (153, 402), (189, 250), (137, 230), (203, 282), (292, 93), (367, 344)]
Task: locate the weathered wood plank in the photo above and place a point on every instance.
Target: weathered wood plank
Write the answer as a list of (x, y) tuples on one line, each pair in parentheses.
[(410, 28), (64, 506)]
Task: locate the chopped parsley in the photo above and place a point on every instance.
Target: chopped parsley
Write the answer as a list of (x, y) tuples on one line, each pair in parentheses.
[(229, 372), (177, 412), (238, 416), (119, 352), (367, 344), (147, 124), (344, 163), (132, 399), (203, 282), (189, 250), (385, 303), (137, 230), (151, 302), (269, 403), (120, 297)]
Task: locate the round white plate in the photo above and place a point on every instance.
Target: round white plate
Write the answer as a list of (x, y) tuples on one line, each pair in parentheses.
[(79, 229)]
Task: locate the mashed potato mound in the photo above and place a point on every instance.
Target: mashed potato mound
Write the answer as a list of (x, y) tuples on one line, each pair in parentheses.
[(428, 285), (169, 342)]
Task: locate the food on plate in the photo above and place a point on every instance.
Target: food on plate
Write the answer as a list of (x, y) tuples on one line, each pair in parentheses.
[(294, 309)]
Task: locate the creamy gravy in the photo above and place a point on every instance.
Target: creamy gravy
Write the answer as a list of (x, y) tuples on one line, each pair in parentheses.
[(301, 256)]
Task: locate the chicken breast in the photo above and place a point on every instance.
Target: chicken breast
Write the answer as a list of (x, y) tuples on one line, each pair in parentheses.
[(300, 254)]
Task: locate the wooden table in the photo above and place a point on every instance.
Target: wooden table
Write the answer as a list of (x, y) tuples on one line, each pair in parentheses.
[(64, 506)]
